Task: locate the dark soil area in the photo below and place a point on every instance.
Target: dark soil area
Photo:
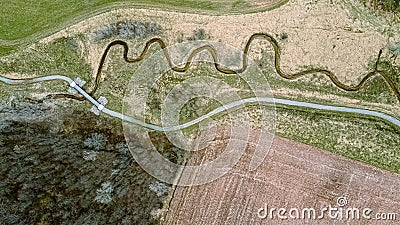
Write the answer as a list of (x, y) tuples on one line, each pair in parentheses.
[(62, 166), (392, 6)]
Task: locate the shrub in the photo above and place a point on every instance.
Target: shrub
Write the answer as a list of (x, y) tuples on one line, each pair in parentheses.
[(122, 148), (198, 34), (104, 194), (96, 141), (395, 48), (105, 32), (283, 36), (89, 155), (159, 188), (126, 30)]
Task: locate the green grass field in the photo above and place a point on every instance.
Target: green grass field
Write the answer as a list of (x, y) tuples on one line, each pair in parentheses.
[(24, 21), (31, 17)]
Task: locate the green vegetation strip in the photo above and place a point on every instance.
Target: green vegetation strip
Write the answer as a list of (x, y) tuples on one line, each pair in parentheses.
[(364, 139), (23, 22)]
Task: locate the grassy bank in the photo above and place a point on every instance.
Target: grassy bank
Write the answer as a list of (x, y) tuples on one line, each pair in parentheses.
[(360, 138), (319, 88), (30, 20)]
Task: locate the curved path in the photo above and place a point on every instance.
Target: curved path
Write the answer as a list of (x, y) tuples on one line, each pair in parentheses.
[(277, 63), (72, 84), (107, 7)]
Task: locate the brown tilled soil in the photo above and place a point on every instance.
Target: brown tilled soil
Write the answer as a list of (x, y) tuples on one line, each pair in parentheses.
[(293, 175)]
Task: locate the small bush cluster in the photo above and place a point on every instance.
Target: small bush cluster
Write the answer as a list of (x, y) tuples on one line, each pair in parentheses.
[(122, 147), (386, 5), (90, 155), (159, 188), (283, 36), (126, 30), (96, 141), (395, 48), (104, 194), (198, 34)]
